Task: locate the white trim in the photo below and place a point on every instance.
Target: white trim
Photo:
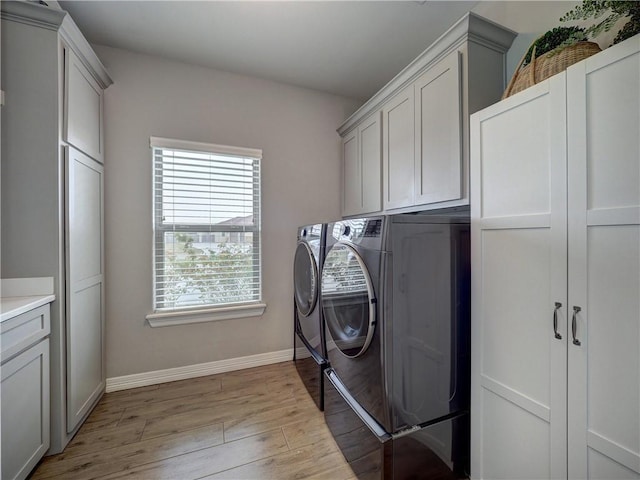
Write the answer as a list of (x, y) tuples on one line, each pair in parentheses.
[(199, 370), (56, 19), (181, 317), (159, 142), (616, 452), (30, 13), (73, 37)]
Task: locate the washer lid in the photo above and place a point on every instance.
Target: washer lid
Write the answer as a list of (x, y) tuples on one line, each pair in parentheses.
[(305, 279), (348, 300)]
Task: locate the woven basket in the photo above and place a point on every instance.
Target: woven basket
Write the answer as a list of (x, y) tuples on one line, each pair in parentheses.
[(548, 65)]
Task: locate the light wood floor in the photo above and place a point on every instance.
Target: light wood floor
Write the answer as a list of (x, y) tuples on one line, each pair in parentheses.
[(258, 423)]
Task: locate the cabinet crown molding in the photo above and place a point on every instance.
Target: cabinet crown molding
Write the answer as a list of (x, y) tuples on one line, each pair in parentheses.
[(471, 27), (32, 14), (60, 21)]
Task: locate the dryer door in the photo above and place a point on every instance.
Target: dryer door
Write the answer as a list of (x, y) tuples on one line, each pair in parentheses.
[(348, 300), (305, 279)]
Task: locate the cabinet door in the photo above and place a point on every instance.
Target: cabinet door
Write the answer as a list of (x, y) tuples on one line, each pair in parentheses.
[(519, 258), (604, 265), (351, 175), (83, 108), (370, 148), (361, 168), (398, 157), (25, 410), (438, 175), (84, 327)]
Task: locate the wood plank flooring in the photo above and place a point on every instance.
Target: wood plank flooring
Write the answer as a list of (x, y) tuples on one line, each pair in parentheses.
[(258, 423)]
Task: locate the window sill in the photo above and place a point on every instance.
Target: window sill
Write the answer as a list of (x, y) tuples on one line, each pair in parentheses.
[(183, 317)]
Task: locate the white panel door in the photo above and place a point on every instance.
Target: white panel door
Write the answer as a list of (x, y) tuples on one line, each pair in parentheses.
[(398, 154), (351, 175), (85, 277), (438, 175), (604, 265), (24, 396), (519, 255), (370, 150), (83, 108)]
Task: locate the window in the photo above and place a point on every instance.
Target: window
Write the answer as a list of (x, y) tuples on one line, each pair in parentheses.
[(206, 226)]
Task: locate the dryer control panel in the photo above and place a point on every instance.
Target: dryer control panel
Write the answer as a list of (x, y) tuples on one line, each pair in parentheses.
[(366, 232)]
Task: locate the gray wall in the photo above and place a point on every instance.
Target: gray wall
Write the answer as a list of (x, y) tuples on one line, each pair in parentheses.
[(294, 127), (532, 19), (529, 18), (296, 130)]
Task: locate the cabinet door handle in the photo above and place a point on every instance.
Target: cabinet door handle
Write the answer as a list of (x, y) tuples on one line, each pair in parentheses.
[(574, 326), (555, 320)]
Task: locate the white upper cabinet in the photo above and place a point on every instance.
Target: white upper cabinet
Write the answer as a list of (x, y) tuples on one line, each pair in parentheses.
[(425, 110), (370, 151), (361, 168), (556, 276), (438, 165), (398, 152), (83, 108), (351, 175)]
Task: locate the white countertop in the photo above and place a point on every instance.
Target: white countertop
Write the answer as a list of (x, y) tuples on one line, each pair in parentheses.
[(13, 306), (19, 295)]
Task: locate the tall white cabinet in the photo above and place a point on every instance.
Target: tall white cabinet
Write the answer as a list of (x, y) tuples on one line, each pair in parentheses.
[(603, 95), (52, 194), (555, 204)]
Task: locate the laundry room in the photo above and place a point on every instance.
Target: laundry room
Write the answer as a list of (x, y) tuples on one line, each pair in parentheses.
[(320, 239)]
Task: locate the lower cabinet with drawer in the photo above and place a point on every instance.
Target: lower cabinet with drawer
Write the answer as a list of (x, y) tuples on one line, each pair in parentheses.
[(24, 392)]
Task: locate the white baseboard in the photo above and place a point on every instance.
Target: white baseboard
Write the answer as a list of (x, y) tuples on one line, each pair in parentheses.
[(199, 370)]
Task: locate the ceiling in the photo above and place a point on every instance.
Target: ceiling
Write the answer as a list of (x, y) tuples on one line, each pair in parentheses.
[(348, 48)]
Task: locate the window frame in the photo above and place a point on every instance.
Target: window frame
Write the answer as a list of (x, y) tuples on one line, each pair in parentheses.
[(164, 316)]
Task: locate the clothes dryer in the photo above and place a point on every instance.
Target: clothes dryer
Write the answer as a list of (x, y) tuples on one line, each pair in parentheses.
[(396, 300), (309, 340)]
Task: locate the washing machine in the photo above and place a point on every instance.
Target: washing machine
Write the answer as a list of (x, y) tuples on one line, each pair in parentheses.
[(395, 293), (309, 334)]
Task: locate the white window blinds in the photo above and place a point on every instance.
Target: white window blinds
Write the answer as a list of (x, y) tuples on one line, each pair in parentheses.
[(206, 224)]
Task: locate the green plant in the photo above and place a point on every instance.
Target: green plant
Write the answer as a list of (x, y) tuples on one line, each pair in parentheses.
[(553, 39), (614, 9)]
